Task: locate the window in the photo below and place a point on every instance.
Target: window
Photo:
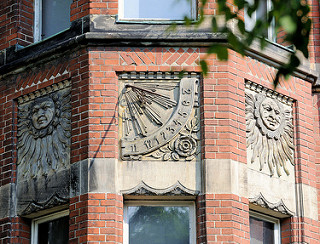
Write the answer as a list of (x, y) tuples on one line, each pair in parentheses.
[(50, 17), (166, 222), (156, 9), (264, 229), (51, 229), (261, 14)]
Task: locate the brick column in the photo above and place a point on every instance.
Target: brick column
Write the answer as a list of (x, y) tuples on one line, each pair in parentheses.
[(96, 217)]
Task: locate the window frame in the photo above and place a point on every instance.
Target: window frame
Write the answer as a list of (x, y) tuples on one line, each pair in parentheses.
[(121, 17), (35, 223), (190, 204), (37, 28), (273, 220), (38, 21), (271, 36)]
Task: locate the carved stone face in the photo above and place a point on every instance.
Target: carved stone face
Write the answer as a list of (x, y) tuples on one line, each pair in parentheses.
[(42, 112), (270, 114)]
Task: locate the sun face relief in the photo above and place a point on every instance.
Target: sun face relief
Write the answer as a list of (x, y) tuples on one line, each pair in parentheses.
[(269, 131), (270, 114), (42, 113), (44, 133)]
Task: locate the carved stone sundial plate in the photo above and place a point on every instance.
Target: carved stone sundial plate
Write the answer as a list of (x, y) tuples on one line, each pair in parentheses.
[(159, 119)]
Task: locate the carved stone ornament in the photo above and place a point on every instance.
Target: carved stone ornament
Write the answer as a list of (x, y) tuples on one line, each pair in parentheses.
[(269, 128), (175, 190), (261, 201), (160, 119), (44, 131), (53, 201)]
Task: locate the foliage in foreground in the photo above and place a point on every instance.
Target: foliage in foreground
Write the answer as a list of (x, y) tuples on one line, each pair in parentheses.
[(289, 16)]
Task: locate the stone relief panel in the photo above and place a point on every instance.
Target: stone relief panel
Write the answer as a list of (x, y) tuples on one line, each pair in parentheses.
[(44, 129), (269, 130), (159, 117)]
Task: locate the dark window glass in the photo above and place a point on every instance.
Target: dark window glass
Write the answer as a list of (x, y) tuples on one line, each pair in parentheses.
[(162, 225), (261, 232), (54, 232), (55, 16)]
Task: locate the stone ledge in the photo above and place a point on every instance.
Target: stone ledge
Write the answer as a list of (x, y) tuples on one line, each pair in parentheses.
[(103, 30)]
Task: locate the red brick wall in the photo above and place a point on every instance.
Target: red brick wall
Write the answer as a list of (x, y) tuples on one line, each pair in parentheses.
[(316, 113), (81, 8), (96, 217), (222, 218), (20, 230), (6, 135), (223, 111), (314, 45), (16, 23), (5, 228)]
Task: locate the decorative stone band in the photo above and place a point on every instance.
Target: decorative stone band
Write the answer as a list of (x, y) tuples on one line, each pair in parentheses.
[(53, 201), (278, 207), (157, 75), (172, 127), (44, 91), (175, 190), (269, 92)]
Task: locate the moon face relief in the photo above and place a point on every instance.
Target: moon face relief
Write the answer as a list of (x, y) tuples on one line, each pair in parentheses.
[(154, 115), (269, 132), (44, 134)]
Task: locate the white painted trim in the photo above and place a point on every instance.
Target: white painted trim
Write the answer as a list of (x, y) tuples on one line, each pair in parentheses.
[(249, 22), (37, 27), (192, 215), (35, 223), (275, 221), (120, 10)]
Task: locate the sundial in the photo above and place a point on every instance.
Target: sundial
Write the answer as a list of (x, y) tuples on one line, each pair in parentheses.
[(158, 117)]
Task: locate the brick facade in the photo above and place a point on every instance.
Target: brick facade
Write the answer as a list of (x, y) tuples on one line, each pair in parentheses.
[(93, 59)]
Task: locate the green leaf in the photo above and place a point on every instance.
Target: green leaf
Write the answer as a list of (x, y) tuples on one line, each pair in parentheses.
[(235, 43), (240, 3), (181, 74), (288, 24), (241, 26), (221, 51), (187, 21), (263, 43), (214, 24), (204, 67)]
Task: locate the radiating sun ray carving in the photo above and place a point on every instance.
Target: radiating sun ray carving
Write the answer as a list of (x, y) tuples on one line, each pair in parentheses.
[(140, 104)]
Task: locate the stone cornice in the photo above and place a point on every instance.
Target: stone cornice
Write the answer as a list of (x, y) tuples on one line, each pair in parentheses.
[(176, 189), (157, 75), (279, 207), (53, 201), (268, 92), (44, 91)]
